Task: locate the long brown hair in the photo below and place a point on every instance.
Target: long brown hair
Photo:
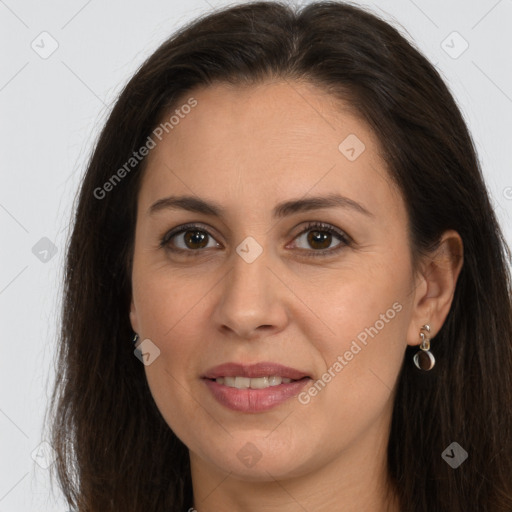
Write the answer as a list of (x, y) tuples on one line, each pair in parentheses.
[(115, 451)]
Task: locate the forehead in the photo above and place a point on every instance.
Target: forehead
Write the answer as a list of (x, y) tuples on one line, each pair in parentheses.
[(264, 143)]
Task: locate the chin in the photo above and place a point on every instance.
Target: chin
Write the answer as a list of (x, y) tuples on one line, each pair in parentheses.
[(252, 458)]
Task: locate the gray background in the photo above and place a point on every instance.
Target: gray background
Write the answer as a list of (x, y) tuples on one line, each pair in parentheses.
[(52, 107)]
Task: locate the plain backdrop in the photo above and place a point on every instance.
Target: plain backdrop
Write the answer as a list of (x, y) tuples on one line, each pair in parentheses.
[(62, 65)]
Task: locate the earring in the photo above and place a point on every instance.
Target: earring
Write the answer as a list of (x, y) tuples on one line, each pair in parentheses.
[(135, 338), (424, 359)]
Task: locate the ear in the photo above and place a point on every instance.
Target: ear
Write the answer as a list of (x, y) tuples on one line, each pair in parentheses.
[(134, 320), (435, 286)]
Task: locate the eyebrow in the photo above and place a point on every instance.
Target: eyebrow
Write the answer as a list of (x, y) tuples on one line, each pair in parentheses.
[(284, 209)]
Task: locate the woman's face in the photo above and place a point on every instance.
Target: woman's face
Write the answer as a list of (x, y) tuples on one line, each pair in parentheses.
[(255, 285)]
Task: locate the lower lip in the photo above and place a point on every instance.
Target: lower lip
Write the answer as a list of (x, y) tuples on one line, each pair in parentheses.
[(254, 400)]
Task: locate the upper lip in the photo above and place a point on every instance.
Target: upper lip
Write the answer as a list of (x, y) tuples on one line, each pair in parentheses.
[(263, 369)]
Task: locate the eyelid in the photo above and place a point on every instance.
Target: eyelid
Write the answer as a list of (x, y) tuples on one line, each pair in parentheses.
[(345, 239), (182, 228), (323, 226)]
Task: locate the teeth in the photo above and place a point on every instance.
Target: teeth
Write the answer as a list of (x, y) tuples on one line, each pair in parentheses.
[(242, 383), (259, 383), (256, 383)]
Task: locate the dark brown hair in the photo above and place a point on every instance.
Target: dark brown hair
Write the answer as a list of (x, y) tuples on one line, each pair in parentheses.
[(115, 451)]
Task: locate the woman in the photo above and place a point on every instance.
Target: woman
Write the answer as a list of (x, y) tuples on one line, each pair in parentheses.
[(285, 213)]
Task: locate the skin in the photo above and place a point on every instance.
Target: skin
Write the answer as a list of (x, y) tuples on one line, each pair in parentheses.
[(249, 149)]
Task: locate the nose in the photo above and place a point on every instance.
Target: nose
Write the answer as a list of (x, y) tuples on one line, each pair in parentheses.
[(252, 300)]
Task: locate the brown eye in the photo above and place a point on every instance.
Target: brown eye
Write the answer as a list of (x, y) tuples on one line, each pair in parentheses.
[(191, 239), (320, 237), (188, 238), (195, 239)]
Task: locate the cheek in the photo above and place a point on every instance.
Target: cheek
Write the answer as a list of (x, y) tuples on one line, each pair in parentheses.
[(367, 315), (361, 363), (170, 312), (169, 304)]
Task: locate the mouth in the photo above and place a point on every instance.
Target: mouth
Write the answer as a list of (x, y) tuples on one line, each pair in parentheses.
[(254, 388)]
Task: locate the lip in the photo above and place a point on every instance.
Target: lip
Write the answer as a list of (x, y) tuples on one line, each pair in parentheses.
[(254, 400), (254, 371)]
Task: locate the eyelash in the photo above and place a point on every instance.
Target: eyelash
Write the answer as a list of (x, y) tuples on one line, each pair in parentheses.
[(319, 226)]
